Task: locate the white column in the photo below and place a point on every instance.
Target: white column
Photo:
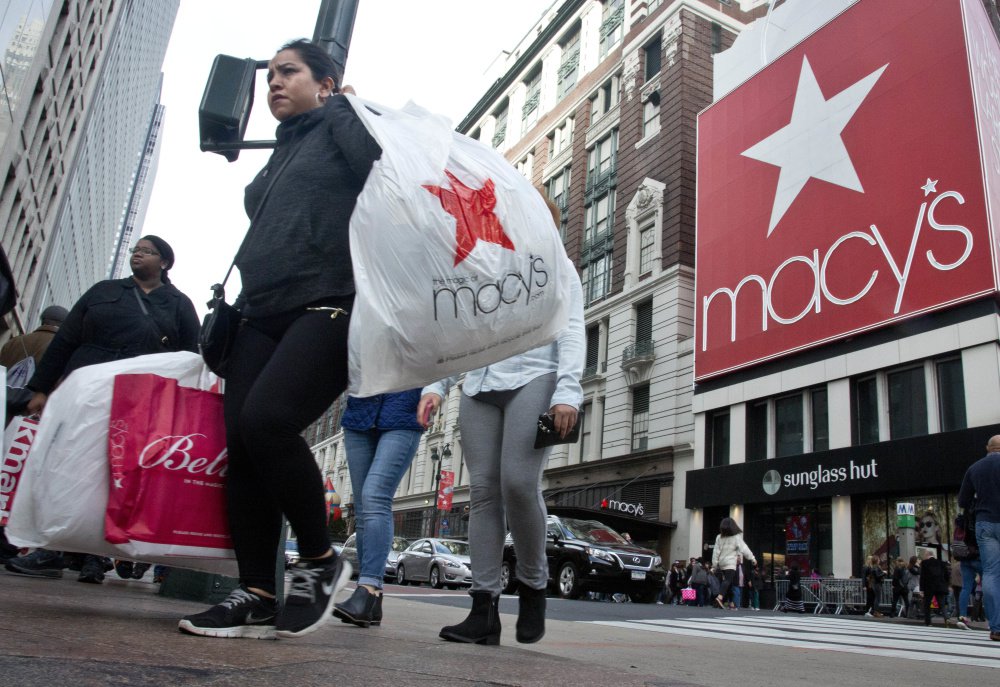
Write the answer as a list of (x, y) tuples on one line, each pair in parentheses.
[(590, 38), (694, 533), (515, 117), (550, 79), (981, 379), (597, 430), (839, 404), (737, 433), (840, 507)]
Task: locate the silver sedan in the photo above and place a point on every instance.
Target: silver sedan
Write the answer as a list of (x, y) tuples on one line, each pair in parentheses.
[(439, 562)]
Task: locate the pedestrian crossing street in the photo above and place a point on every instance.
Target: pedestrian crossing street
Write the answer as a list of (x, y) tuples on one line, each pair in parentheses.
[(828, 633)]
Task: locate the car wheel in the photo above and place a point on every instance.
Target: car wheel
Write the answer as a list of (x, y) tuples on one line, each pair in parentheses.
[(569, 581), (435, 578), (647, 596), (401, 576), (508, 582)]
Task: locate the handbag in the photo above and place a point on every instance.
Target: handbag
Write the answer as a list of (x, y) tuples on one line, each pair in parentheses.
[(546, 434), (688, 594), (218, 330)]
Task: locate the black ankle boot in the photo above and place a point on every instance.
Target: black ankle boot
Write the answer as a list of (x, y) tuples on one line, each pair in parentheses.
[(359, 609), (530, 614), (482, 626)]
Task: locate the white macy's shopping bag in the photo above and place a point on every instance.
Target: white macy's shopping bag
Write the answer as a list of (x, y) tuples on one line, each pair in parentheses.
[(62, 500), (457, 261)]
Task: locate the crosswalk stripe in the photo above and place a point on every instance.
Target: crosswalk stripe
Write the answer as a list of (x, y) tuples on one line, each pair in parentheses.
[(834, 634)]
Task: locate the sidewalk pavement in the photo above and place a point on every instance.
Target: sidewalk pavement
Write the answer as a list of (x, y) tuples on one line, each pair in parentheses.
[(61, 632)]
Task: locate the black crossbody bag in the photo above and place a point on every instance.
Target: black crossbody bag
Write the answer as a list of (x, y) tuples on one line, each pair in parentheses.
[(219, 328)]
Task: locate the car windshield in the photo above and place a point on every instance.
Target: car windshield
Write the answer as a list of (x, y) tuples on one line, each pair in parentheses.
[(455, 548), (592, 531), (399, 544)]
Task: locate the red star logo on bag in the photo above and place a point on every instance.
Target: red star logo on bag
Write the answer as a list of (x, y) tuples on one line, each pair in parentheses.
[(472, 209)]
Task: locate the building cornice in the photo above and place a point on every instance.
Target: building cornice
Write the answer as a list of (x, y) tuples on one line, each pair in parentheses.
[(499, 87)]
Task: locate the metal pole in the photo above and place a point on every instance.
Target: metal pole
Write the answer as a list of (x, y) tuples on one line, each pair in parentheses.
[(334, 26)]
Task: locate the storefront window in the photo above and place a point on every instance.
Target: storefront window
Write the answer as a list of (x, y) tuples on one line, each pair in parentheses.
[(907, 403), (757, 431), (951, 394), (718, 439), (820, 420), (786, 535), (878, 524), (866, 407), (788, 426)]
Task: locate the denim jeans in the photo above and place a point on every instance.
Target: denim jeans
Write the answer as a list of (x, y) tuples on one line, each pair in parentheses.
[(988, 538), (377, 460), (737, 595), (969, 570)]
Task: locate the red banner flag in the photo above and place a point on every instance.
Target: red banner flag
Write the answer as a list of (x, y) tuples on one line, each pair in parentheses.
[(445, 490)]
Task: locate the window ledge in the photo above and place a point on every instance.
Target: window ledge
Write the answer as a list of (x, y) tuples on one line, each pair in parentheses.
[(647, 139)]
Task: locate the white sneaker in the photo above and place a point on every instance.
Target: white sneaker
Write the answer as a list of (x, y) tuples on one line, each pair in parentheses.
[(962, 623), (868, 615)]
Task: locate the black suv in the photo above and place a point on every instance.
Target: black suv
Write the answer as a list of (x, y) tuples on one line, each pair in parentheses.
[(586, 555)]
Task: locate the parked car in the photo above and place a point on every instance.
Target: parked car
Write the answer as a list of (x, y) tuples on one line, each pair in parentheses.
[(587, 555), (439, 562), (291, 552), (350, 552)]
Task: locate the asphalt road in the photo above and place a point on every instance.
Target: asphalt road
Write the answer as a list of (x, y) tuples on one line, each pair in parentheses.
[(707, 646), (124, 633)]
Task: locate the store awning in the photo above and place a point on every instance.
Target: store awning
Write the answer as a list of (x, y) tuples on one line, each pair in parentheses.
[(638, 528)]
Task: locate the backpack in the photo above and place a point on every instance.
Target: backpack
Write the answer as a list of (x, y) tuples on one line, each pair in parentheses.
[(20, 372), (963, 543)]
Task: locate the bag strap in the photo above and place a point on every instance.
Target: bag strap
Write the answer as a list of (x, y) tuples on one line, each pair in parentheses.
[(164, 339), (219, 289)]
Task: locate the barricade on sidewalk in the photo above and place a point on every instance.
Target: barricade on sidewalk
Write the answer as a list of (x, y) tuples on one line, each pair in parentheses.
[(841, 595), (827, 595)]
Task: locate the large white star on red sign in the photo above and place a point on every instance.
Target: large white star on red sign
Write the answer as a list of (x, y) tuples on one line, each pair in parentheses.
[(810, 145)]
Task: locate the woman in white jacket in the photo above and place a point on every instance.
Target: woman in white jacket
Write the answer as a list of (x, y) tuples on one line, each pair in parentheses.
[(728, 545)]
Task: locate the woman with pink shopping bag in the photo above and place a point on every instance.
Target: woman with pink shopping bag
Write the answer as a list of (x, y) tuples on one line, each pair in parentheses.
[(114, 319)]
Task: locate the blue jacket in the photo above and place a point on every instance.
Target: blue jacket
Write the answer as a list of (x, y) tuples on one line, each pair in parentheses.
[(385, 411)]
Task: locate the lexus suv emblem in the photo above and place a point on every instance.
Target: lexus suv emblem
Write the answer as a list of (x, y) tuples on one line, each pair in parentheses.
[(636, 559)]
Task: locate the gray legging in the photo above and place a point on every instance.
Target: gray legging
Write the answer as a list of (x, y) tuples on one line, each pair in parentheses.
[(505, 472)]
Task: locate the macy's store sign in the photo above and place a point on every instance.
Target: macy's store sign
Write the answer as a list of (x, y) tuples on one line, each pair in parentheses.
[(847, 197)]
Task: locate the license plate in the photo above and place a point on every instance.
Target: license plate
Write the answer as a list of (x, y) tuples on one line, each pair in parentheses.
[(638, 575)]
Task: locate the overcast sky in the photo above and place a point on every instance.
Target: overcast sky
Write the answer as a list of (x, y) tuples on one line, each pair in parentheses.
[(434, 52)]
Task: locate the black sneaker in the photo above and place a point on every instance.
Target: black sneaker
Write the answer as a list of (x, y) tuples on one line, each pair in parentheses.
[(124, 569), (242, 614), (314, 583), (38, 563)]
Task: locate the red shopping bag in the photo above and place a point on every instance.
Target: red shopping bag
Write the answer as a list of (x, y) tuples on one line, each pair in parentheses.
[(688, 594), (17, 440), (167, 453)]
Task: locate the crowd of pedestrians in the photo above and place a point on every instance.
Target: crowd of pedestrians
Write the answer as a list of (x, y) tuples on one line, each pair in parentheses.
[(289, 362)]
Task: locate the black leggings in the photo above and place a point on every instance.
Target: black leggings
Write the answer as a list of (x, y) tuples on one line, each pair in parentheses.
[(285, 372)]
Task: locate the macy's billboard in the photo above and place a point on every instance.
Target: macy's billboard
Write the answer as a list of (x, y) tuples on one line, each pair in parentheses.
[(852, 183)]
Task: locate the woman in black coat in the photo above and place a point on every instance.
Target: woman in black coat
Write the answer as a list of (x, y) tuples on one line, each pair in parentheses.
[(114, 319), (120, 318)]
